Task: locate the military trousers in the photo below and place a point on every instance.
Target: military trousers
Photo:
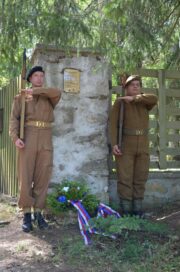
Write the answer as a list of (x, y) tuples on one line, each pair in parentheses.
[(133, 168), (34, 168)]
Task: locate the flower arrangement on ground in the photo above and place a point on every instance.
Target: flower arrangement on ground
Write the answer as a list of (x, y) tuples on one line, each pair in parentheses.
[(58, 199)]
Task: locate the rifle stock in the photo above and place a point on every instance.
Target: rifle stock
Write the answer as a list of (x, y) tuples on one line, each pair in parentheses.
[(23, 85)]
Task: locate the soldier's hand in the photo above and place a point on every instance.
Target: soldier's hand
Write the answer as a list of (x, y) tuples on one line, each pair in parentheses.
[(127, 99), (29, 91), (19, 143), (26, 91), (116, 150)]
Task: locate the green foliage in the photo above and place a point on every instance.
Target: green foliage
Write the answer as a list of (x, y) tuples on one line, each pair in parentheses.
[(72, 190), (144, 32), (25, 23), (129, 33), (112, 225), (149, 226)]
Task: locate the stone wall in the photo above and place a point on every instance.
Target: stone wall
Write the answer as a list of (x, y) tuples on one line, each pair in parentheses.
[(162, 187), (80, 128)]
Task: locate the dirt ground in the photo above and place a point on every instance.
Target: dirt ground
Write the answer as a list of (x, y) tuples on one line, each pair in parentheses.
[(37, 251)]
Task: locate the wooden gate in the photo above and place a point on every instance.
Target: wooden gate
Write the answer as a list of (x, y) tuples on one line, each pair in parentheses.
[(164, 125), (8, 179)]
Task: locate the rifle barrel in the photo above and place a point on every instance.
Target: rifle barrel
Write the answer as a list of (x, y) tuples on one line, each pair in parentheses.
[(23, 85)]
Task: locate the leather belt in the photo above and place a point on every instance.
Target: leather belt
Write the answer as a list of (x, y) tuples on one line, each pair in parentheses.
[(135, 132), (39, 124)]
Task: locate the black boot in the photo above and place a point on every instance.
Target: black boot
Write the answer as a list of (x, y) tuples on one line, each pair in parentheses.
[(137, 208), (126, 206), (27, 224), (39, 219)]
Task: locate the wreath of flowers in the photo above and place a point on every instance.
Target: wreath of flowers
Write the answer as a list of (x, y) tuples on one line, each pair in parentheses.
[(58, 200)]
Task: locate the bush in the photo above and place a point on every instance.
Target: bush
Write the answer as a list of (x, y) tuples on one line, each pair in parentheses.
[(112, 225), (71, 190)]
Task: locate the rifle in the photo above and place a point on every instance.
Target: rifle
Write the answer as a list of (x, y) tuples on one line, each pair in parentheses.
[(23, 95), (121, 112), (121, 117)]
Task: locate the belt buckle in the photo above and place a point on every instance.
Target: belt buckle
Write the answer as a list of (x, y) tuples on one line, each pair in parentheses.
[(139, 132), (39, 124)]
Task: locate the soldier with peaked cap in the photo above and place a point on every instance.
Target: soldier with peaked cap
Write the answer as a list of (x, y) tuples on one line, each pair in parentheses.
[(132, 158), (35, 151)]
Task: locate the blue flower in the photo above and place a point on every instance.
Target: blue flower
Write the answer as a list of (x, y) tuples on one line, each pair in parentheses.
[(62, 199)]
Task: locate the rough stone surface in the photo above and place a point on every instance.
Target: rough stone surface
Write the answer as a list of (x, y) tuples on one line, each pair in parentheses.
[(80, 128)]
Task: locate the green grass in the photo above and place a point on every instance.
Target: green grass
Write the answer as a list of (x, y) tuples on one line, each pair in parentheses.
[(135, 251), (105, 255)]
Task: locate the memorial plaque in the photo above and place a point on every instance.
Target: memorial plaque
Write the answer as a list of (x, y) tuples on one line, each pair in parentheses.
[(71, 80)]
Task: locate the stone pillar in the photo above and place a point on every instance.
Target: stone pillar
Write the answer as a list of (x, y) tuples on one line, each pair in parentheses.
[(80, 128)]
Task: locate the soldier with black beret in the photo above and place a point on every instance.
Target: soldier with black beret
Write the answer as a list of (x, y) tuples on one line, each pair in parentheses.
[(35, 151), (132, 156), (33, 70)]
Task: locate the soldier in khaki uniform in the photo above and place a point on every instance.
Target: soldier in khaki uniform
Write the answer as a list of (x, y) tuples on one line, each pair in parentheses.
[(132, 157), (35, 152)]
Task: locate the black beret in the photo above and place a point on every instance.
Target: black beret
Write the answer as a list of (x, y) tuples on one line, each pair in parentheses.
[(131, 78), (33, 70)]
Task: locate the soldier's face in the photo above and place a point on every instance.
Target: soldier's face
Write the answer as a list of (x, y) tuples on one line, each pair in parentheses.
[(37, 79), (133, 88)]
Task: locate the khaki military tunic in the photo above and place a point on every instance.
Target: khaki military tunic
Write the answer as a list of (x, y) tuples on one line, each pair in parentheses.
[(133, 164), (36, 158)]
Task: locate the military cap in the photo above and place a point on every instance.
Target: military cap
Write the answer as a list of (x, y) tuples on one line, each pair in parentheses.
[(131, 78), (33, 70)]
